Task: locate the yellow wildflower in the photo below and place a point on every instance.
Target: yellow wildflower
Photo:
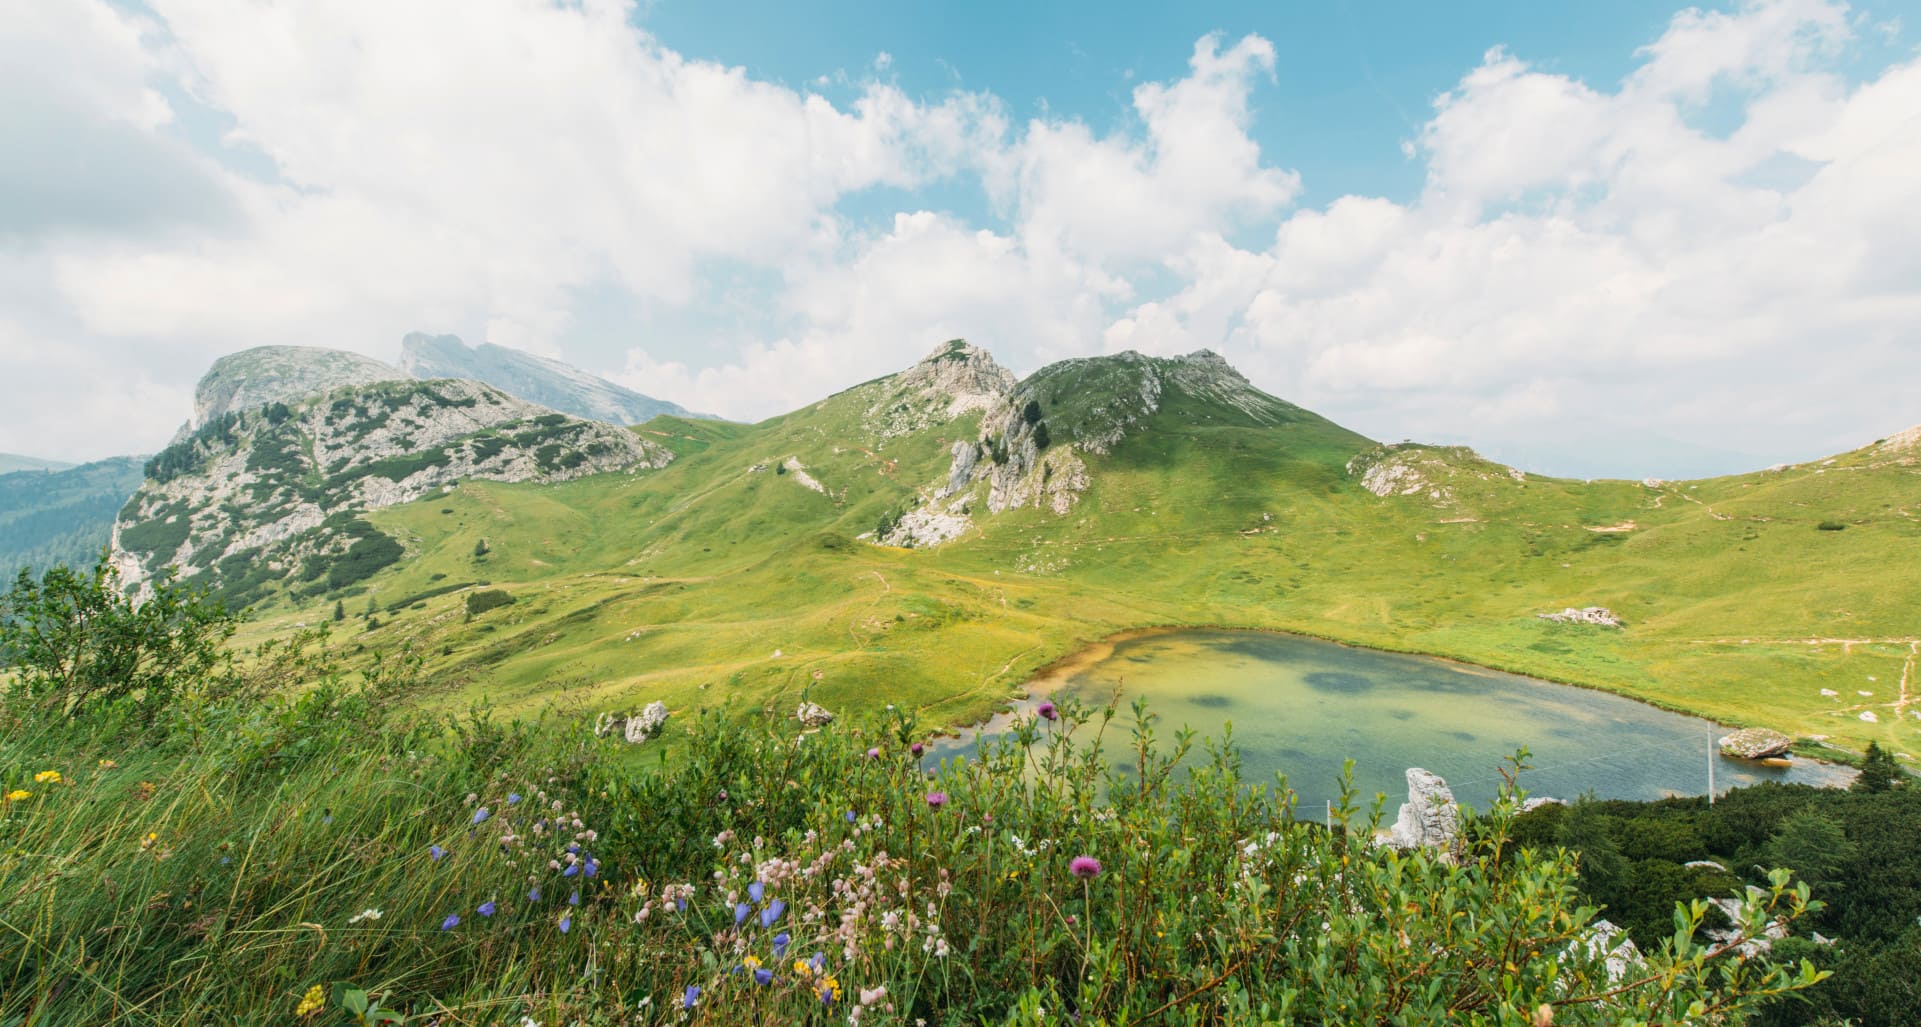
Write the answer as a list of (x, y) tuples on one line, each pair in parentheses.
[(801, 968), (147, 842), (17, 794), (751, 962), (312, 1002), (108, 765), (830, 989), (47, 777)]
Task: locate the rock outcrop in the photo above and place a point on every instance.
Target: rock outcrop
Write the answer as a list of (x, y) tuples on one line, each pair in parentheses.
[(270, 495), (1437, 474), (1599, 616), (266, 375), (634, 729), (1755, 743), (1429, 818), (812, 714)]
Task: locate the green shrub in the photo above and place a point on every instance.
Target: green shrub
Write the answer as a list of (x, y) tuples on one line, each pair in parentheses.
[(481, 600)]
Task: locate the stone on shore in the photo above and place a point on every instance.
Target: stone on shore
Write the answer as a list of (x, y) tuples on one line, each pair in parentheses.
[(1755, 743)]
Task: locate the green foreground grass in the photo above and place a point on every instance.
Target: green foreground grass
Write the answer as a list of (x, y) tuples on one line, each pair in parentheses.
[(330, 857)]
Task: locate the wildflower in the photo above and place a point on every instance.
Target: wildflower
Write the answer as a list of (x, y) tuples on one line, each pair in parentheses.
[(147, 842), (566, 923), (487, 908), (47, 777), (436, 852), (869, 996), (850, 816), (513, 798), (1047, 711), (533, 894), (369, 913), (917, 748), (741, 909), (574, 899), (481, 815), (572, 869), (772, 913), (452, 921), (873, 754), (1084, 867), (801, 968), (756, 890), (780, 944), (691, 998), (18, 794), (108, 765), (829, 990), (592, 868), (751, 962), (763, 976), (937, 799), (312, 1002)]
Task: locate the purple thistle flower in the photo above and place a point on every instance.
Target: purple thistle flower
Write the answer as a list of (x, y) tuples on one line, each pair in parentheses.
[(487, 908), (566, 923), (918, 748), (780, 944), (937, 799), (756, 890), (772, 913), (481, 814), (741, 909), (452, 921), (1047, 710), (689, 1000), (1084, 867), (763, 976), (873, 754)]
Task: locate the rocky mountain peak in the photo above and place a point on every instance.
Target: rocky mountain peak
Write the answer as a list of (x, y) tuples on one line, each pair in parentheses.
[(536, 379), (265, 375), (957, 378)]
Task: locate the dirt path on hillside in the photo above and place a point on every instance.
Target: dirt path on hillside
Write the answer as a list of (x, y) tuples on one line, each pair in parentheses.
[(1905, 692)]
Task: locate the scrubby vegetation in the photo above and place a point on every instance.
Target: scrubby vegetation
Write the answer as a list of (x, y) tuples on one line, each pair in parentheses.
[(286, 843), (1855, 849)]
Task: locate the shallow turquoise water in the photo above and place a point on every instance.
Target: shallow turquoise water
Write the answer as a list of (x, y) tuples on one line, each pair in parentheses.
[(1301, 706)]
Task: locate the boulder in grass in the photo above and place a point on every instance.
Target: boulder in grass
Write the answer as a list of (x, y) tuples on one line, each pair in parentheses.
[(813, 715), (635, 729), (1755, 743)]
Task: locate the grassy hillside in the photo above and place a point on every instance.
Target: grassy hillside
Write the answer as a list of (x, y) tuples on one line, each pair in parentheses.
[(61, 516), (725, 578)]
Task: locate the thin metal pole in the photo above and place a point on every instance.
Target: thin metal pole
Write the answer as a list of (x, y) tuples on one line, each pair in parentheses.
[(1330, 814), (1710, 766)]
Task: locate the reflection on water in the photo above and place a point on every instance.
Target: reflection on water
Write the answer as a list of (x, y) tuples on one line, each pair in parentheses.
[(1301, 706)]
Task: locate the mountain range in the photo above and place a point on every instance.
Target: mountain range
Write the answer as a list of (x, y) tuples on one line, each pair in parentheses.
[(936, 536)]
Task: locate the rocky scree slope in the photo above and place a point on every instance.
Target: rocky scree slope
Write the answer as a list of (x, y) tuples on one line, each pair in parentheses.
[(535, 379), (256, 499)]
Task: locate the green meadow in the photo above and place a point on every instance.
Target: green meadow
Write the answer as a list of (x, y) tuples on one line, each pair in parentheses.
[(724, 581)]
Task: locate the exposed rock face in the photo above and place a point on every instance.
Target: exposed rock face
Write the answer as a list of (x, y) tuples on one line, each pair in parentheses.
[(798, 471), (813, 715), (549, 383), (271, 493), (1429, 817), (1772, 932), (1755, 743), (1600, 616), (1538, 801), (1902, 441), (264, 375), (929, 526)]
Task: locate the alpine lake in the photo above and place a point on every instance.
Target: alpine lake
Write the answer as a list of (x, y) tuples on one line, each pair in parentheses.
[(1301, 707)]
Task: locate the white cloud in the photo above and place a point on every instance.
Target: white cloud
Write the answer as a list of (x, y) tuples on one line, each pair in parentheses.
[(1584, 257)]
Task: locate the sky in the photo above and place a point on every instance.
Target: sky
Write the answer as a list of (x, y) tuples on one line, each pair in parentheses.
[(1627, 239)]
